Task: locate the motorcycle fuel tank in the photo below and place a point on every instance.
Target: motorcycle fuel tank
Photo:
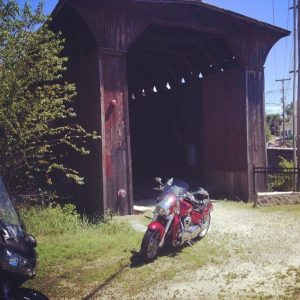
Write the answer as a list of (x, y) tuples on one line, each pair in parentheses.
[(196, 217), (185, 208)]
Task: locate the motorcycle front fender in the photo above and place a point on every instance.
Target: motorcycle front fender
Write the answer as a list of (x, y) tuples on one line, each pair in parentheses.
[(176, 225), (157, 226)]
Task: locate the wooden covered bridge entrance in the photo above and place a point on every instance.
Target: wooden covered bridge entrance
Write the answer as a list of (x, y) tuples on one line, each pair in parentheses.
[(175, 87)]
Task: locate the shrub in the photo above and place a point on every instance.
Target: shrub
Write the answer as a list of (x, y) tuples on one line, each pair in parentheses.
[(54, 219), (282, 182), (41, 220)]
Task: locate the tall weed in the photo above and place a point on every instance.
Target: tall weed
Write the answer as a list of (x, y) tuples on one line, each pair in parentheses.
[(58, 219), (41, 220)]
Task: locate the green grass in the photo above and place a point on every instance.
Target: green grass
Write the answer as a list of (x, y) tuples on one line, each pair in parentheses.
[(291, 208), (294, 291), (82, 260), (235, 204), (74, 256), (52, 220), (170, 264)]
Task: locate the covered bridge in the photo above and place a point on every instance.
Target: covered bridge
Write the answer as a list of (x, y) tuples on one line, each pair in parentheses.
[(175, 88)]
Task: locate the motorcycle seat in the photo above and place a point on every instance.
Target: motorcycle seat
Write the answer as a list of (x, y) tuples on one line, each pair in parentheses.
[(200, 194)]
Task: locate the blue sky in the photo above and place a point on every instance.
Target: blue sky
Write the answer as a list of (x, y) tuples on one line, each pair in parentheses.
[(279, 61)]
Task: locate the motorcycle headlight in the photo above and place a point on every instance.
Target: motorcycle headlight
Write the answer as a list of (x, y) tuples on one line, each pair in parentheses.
[(161, 211), (13, 262)]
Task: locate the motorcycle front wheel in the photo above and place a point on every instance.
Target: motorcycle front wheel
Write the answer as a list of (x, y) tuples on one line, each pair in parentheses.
[(150, 245), (205, 226), (28, 294)]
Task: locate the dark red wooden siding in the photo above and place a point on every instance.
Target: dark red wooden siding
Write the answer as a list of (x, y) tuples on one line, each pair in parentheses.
[(203, 38)]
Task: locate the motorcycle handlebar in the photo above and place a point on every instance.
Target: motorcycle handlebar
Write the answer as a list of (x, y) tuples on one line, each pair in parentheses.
[(159, 188), (190, 197)]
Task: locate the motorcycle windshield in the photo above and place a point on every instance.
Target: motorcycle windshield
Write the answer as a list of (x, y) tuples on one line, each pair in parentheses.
[(172, 191), (8, 215), (179, 183)]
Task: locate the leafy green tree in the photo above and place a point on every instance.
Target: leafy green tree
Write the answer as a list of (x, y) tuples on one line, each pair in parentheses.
[(38, 128), (268, 134), (273, 122), (289, 111)]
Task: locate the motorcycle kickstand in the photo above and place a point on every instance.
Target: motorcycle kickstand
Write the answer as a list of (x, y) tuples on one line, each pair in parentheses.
[(191, 245)]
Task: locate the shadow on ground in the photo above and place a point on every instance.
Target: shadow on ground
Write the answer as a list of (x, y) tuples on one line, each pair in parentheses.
[(138, 261)]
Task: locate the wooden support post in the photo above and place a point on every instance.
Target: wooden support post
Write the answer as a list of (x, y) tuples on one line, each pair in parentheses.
[(298, 89), (116, 153), (256, 127)]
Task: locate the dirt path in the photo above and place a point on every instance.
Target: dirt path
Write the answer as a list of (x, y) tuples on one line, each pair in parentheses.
[(262, 261), (270, 253)]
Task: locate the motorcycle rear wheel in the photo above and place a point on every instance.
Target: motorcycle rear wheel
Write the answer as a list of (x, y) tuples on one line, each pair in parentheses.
[(150, 245), (205, 226)]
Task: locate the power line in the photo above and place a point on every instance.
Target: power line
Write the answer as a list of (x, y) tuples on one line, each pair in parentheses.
[(276, 91), (286, 40), (291, 46), (275, 52), (295, 13), (283, 80)]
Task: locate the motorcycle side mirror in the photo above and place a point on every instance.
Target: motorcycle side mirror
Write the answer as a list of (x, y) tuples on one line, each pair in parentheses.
[(31, 240), (170, 182), (158, 179)]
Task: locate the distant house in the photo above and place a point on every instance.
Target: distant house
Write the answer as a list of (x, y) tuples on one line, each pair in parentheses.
[(288, 129), (175, 87)]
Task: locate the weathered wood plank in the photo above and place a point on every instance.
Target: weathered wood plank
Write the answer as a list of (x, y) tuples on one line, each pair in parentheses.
[(257, 152), (225, 132), (116, 140)]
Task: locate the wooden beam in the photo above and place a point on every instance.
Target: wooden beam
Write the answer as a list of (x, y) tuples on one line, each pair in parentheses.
[(116, 151)]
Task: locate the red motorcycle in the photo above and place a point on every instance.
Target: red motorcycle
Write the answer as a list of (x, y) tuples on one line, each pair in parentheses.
[(180, 216)]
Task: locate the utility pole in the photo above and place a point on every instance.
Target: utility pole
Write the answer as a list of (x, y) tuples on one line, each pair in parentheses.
[(283, 107), (297, 110), (295, 74)]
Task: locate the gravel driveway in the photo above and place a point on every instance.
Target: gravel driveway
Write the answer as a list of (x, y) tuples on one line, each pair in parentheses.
[(263, 260), (266, 268)]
